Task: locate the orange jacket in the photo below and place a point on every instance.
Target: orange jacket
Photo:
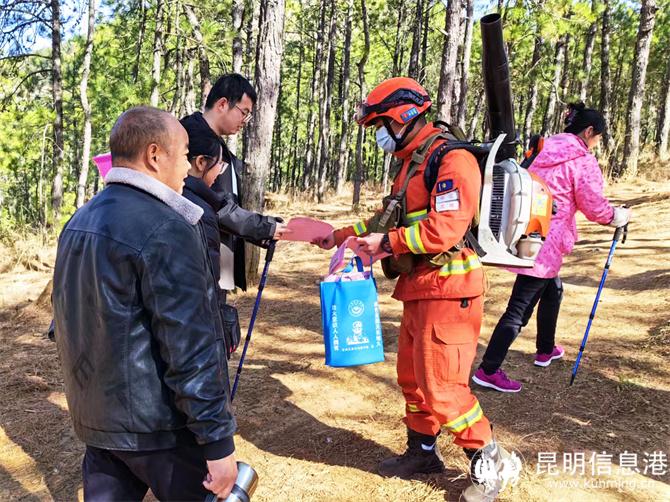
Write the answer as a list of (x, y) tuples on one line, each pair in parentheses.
[(453, 203)]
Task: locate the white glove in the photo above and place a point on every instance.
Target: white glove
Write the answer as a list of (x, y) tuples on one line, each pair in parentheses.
[(621, 217)]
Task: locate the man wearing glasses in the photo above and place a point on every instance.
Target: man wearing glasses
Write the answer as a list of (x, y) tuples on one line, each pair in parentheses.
[(228, 109)]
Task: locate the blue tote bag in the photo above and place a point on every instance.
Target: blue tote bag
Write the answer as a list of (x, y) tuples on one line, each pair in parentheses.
[(352, 331)]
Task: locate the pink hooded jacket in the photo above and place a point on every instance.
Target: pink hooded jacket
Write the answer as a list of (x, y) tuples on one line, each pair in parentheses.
[(576, 182)]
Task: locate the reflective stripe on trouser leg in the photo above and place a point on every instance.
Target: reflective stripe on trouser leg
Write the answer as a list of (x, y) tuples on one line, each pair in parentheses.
[(443, 337)]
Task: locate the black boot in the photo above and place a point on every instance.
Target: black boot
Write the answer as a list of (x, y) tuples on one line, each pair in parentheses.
[(416, 459)]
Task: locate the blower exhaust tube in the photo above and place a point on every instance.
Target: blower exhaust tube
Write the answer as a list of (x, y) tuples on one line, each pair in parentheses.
[(497, 85)]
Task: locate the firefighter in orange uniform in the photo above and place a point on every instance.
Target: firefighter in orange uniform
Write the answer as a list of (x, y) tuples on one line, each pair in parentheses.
[(442, 299)]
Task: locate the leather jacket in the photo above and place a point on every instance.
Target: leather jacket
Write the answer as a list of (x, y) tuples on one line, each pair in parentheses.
[(138, 327)]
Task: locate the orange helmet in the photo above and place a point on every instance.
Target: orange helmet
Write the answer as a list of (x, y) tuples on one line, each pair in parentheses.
[(400, 98)]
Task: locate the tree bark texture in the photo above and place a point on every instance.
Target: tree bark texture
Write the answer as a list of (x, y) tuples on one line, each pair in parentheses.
[(157, 54), (553, 94), (605, 78), (267, 81), (86, 106), (415, 54), (205, 78), (360, 136), (57, 95), (465, 63), (449, 58), (532, 91), (588, 55), (631, 148), (663, 130), (237, 17), (326, 102), (343, 157)]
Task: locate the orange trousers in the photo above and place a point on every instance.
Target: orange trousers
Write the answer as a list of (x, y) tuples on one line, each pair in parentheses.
[(436, 347)]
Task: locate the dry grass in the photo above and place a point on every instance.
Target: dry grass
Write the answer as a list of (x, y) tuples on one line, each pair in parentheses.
[(316, 433)]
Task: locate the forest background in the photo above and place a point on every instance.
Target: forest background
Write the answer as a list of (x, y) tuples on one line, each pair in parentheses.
[(68, 68)]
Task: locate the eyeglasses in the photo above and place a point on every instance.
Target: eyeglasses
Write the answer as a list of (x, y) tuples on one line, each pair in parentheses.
[(218, 162), (246, 114)]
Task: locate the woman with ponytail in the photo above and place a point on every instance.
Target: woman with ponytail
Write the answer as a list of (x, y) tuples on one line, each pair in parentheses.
[(576, 182)]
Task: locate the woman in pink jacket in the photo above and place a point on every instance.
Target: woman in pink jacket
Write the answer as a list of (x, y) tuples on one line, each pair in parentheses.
[(576, 182)]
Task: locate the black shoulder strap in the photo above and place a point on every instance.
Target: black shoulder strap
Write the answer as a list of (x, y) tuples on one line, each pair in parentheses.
[(479, 150)]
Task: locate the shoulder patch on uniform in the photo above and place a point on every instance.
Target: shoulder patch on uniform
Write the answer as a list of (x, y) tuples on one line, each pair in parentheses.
[(449, 201), (444, 186)]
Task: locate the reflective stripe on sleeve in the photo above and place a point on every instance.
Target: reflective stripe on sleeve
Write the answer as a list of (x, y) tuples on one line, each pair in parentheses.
[(413, 239), (461, 267), (360, 228), (417, 216)]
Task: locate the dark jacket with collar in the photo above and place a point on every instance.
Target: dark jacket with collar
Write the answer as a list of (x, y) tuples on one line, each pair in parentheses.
[(199, 193), (236, 224), (138, 327)]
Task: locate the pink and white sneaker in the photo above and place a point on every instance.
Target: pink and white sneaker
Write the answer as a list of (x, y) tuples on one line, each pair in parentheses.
[(498, 381), (544, 360)]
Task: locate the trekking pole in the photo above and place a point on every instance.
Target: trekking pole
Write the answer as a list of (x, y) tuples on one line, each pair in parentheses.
[(268, 258), (618, 234)]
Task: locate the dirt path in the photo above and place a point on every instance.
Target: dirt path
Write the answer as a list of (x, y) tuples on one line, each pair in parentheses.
[(316, 433)]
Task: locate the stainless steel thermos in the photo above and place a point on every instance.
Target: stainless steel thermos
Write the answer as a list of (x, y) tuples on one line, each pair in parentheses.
[(245, 485)]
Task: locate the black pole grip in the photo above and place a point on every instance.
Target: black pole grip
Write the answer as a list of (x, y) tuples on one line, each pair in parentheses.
[(271, 251)]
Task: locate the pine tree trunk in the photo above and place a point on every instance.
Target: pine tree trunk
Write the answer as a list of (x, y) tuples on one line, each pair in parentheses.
[(553, 94), (343, 157), (663, 130), (140, 41), (267, 80), (424, 43), (178, 69), (358, 176), (205, 78), (57, 95), (294, 138), (414, 58), (189, 98), (449, 57), (399, 38), (237, 15), (327, 99), (532, 91), (313, 152), (472, 130), (588, 55), (253, 8), (631, 150), (465, 63), (386, 171), (86, 106), (157, 54), (565, 73), (605, 83)]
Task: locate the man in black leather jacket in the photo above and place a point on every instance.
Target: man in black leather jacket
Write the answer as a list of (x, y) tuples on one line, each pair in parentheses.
[(138, 328)]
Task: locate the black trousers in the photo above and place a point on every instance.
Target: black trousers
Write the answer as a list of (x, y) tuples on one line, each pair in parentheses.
[(175, 474), (526, 293)]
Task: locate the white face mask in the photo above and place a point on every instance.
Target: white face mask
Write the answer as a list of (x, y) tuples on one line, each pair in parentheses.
[(385, 141)]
